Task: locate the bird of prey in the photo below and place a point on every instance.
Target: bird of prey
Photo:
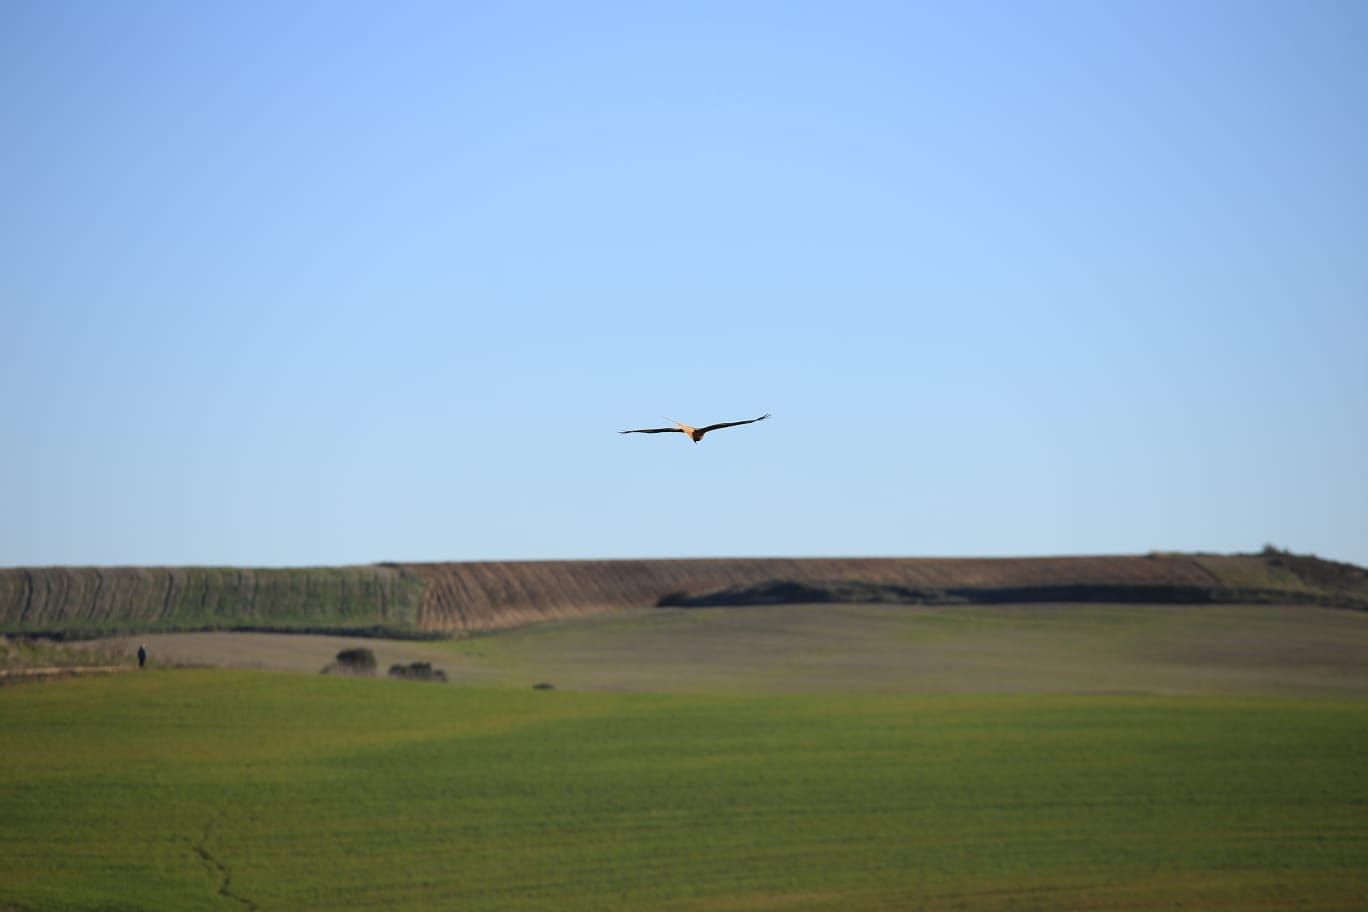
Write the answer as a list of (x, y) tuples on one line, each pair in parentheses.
[(695, 434)]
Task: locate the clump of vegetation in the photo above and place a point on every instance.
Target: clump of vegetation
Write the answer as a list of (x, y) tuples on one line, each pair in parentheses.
[(418, 671), (33, 652), (359, 661)]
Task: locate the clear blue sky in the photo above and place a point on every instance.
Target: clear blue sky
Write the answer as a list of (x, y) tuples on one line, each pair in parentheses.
[(326, 283)]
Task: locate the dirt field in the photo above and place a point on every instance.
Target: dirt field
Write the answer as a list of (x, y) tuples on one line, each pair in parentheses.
[(1161, 649)]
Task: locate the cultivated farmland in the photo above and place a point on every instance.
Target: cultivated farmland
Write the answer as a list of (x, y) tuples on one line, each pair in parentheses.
[(943, 742)]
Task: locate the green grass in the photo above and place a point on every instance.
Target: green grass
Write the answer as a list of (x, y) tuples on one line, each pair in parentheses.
[(221, 789)]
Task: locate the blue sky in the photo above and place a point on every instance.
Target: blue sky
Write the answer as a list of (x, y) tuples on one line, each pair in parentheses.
[(328, 283)]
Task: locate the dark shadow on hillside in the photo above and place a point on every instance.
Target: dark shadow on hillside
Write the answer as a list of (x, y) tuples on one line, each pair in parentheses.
[(1336, 586), (793, 592)]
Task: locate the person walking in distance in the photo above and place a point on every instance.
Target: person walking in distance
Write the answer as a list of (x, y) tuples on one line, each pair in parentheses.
[(142, 655)]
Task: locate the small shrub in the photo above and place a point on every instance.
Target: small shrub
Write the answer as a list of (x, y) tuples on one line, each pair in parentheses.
[(358, 661), (418, 671), (360, 658)]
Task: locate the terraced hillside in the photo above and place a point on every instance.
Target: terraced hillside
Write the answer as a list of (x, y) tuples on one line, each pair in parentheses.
[(461, 598)]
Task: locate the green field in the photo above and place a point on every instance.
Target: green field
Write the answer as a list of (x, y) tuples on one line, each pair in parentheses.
[(221, 789)]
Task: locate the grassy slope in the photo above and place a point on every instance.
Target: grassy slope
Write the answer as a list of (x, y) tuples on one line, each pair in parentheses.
[(218, 789)]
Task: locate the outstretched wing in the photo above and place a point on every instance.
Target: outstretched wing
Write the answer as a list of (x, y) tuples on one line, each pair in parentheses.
[(654, 431), (713, 427)]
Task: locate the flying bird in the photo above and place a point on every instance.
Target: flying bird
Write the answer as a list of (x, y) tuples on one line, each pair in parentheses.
[(695, 434)]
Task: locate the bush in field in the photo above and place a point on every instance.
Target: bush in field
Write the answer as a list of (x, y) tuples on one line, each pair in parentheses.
[(418, 671), (359, 661)]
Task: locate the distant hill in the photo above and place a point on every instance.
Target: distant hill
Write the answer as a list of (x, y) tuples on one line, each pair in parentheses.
[(444, 599)]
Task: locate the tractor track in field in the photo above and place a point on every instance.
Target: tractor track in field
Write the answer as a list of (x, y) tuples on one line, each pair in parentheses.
[(226, 875)]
